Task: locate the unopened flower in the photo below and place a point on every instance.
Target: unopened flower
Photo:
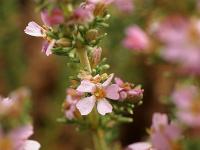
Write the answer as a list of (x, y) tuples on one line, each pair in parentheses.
[(164, 135), (53, 17), (186, 99), (73, 96), (96, 56), (17, 139), (100, 93), (127, 90), (140, 146), (136, 39), (34, 29)]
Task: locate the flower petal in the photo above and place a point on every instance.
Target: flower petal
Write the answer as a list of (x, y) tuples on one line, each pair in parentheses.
[(123, 95), (119, 81), (86, 86), (159, 120), (86, 105), (22, 133), (140, 146), (108, 81), (31, 145), (112, 92), (34, 29), (103, 106)]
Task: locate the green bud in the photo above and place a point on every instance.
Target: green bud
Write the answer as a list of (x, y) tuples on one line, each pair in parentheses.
[(64, 42), (105, 66), (91, 34)]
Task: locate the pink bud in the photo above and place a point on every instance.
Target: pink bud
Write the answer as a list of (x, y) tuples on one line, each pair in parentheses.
[(54, 17)]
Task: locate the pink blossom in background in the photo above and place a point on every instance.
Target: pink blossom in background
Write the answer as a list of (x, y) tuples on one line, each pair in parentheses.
[(53, 17), (181, 38), (140, 146), (17, 139), (136, 39), (187, 101), (172, 29), (164, 135), (12, 106), (125, 6), (101, 92), (72, 98), (126, 90)]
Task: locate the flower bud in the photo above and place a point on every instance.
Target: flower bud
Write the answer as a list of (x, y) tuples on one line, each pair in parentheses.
[(63, 42), (96, 56), (92, 34)]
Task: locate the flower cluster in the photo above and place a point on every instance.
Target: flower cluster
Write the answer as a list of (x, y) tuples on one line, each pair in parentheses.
[(99, 90)]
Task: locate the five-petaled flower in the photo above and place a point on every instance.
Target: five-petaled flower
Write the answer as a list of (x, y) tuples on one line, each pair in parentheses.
[(100, 93)]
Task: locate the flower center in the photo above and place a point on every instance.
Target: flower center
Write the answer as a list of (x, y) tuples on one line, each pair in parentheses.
[(99, 93)]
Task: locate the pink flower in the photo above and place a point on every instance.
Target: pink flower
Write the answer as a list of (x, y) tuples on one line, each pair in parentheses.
[(140, 146), (164, 135), (186, 99), (72, 98), (136, 39), (12, 106), (47, 47), (54, 17), (34, 29), (172, 30), (181, 42), (100, 93), (125, 6), (17, 139), (83, 14), (126, 90)]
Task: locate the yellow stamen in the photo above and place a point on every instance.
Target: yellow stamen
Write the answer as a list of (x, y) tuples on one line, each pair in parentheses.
[(99, 93)]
